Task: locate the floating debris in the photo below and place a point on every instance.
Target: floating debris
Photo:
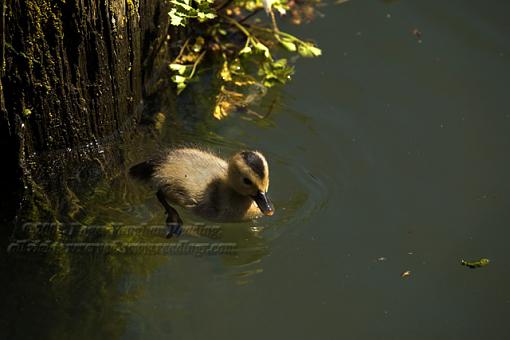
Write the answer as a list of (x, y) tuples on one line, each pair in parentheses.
[(382, 258), (407, 273), (416, 32), (475, 264)]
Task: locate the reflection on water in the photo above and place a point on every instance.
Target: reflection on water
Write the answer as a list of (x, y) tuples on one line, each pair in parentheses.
[(95, 295), (384, 148)]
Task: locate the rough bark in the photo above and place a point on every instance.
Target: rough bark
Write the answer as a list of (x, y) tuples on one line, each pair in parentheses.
[(73, 78)]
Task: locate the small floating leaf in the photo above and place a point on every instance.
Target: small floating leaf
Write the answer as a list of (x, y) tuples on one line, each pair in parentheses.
[(407, 273), (27, 112), (475, 264), (185, 5)]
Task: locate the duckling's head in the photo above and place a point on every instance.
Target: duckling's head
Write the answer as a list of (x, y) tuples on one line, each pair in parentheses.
[(248, 174)]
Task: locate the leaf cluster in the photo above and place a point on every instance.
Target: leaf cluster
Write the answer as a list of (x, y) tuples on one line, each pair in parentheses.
[(244, 53), (184, 10)]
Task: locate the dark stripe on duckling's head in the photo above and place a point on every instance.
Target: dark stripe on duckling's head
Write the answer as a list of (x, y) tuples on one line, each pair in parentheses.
[(254, 161)]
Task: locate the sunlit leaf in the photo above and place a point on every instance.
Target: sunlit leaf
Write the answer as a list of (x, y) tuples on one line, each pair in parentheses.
[(280, 63), (217, 112), (289, 45), (315, 51), (181, 69), (184, 5), (246, 50), (202, 16), (263, 48), (27, 112), (309, 50), (225, 72), (175, 19), (407, 273), (178, 79), (180, 87), (475, 264), (244, 82), (222, 109)]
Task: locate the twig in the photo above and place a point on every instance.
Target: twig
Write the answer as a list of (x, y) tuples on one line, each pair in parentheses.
[(182, 50), (273, 19), (199, 59)]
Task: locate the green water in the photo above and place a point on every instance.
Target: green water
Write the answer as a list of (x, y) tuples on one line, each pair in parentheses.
[(387, 155)]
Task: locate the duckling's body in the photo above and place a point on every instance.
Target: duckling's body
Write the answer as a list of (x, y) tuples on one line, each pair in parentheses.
[(209, 186)]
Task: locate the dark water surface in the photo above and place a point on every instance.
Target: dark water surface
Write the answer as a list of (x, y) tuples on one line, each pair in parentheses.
[(390, 153)]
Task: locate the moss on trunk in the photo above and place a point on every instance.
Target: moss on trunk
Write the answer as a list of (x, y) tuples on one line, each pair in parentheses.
[(73, 78)]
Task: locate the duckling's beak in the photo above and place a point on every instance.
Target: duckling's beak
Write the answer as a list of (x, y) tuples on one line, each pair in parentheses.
[(264, 203)]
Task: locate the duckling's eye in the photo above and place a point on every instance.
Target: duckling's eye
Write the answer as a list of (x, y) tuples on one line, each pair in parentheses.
[(247, 181)]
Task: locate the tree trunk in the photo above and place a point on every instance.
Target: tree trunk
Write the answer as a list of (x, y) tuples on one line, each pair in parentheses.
[(73, 78)]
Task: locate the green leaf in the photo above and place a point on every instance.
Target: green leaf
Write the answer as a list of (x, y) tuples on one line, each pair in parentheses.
[(246, 50), (268, 83), (287, 42), (275, 72), (289, 45), (27, 112), (315, 51), (281, 63), (180, 87), (262, 48), (203, 16), (309, 50), (178, 79), (184, 5), (475, 264), (225, 72), (179, 68), (175, 19), (176, 67)]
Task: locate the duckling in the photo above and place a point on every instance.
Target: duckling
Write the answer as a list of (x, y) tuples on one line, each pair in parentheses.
[(208, 186)]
